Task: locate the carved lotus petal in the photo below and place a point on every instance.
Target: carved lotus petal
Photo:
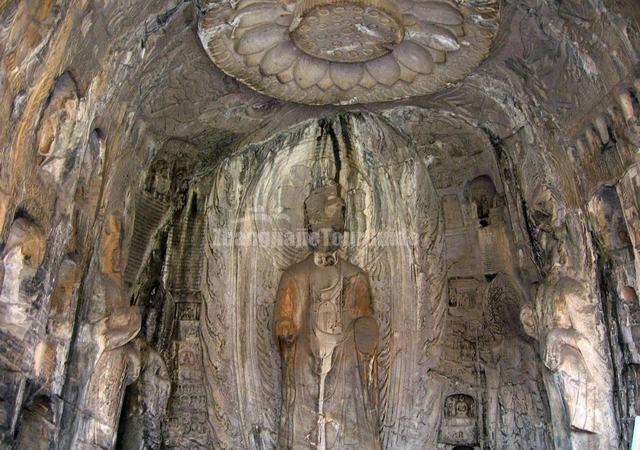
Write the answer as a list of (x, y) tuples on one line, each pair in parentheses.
[(326, 83), (246, 3), (258, 14), (385, 70), (253, 59), (333, 52), (405, 5), (285, 76), (438, 56), (279, 58), (260, 38), (345, 75), (438, 12), (308, 71), (406, 74), (367, 80), (414, 57), (458, 30), (434, 36)]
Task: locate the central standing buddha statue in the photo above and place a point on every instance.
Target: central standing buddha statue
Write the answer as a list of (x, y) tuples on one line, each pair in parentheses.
[(328, 340)]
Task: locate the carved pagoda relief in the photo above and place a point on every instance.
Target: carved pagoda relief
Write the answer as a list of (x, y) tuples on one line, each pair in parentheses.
[(348, 51)]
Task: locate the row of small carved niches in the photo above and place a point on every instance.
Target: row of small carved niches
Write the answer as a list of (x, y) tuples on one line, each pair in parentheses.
[(607, 145)]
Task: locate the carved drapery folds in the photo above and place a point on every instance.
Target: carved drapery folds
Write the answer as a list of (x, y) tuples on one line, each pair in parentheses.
[(240, 349), (567, 321), (328, 339)]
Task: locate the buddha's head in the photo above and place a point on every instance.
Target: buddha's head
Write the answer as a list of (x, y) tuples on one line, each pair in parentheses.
[(324, 218)]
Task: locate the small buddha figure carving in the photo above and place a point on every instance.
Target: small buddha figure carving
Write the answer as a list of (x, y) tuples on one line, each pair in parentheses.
[(328, 340)]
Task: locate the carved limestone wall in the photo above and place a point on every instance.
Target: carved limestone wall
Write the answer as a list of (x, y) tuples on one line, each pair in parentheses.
[(497, 134), (260, 206)]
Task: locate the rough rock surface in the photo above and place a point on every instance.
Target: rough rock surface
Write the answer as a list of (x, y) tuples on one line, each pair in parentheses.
[(129, 317)]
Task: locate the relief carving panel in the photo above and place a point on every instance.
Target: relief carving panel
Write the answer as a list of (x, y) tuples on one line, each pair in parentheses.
[(240, 350), (345, 52)]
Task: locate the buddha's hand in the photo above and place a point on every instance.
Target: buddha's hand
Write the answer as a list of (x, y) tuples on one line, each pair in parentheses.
[(285, 330)]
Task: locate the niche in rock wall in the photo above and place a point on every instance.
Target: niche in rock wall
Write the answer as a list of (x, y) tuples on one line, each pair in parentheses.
[(628, 294), (610, 225), (482, 195), (258, 197), (463, 295), (36, 423), (460, 426), (631, 310)]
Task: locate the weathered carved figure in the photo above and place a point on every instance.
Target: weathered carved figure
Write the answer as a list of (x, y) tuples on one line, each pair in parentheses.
[(55, 142), (111, 248), (328, 340), (141, 424), (118, 366), (22, 255), (566, 322), (577, 365)]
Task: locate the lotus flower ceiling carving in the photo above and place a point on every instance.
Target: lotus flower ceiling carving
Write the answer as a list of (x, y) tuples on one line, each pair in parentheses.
[(348, 51)]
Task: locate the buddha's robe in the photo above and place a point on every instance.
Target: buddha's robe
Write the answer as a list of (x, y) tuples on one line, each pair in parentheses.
[(329, 369)]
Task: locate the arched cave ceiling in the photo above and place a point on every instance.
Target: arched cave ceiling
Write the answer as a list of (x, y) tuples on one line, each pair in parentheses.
[(124, 147), (143, 62)]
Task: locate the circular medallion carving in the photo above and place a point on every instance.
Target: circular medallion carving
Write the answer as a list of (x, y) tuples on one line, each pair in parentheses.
[(347, 33), (348, 51)]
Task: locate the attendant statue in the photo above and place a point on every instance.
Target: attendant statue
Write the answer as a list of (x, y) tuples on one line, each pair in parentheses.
[(328, 340)]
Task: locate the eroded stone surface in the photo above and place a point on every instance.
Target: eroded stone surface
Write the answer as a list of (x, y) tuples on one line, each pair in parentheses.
[(324, 52), (508, 313)]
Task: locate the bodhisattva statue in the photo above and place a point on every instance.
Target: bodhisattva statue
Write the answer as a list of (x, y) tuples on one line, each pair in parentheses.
[(328, 340)]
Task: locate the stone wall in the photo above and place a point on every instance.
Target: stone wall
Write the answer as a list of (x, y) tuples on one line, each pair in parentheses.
[(129, 162)]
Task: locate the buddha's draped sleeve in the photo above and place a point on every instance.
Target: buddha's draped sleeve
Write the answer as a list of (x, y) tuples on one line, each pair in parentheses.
[(286, 304), (362, 296)]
